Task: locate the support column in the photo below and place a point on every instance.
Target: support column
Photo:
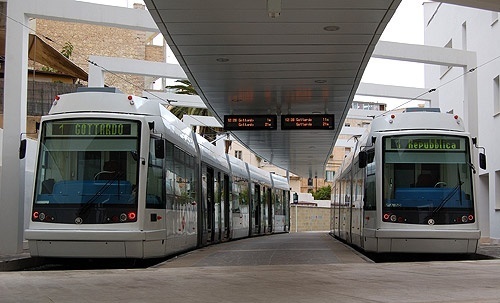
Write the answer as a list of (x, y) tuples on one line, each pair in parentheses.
[(470, 98), (15, 104), (96, 75), (471, 118)]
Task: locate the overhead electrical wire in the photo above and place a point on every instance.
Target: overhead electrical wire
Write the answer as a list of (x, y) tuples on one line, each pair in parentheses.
[(471, 70)]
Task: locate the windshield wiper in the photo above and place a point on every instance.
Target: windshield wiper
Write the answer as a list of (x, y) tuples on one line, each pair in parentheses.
[(86, 206), (447, 198)]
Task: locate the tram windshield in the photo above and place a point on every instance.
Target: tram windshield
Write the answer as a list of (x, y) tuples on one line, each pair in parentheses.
[(427, 180), (91, 162)]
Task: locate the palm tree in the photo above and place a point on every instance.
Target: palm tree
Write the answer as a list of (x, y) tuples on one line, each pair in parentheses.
[(186, 88)]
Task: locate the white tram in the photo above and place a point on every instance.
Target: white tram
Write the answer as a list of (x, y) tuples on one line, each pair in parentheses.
[(408, 186), (119, 176)]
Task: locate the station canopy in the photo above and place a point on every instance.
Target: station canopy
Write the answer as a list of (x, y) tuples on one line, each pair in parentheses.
[(275, 57)]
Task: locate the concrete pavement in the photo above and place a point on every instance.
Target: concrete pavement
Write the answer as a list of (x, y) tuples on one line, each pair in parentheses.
[(304, 267)]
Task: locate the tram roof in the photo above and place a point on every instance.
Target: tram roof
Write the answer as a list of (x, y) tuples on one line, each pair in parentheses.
[(413, 120)]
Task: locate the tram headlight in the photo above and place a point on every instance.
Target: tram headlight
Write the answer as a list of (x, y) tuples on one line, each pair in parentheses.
[(465, 219), (471, 218), (394, 218), (36, 215), (386, 217), (131, 216)]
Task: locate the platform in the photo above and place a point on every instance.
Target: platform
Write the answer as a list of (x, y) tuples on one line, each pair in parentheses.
[(301, 267)]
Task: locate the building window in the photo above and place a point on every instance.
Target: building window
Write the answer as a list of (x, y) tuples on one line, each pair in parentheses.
[(497, 189), (347, 151), (464, 36), (329, 175), (238, 154), (496, 95)]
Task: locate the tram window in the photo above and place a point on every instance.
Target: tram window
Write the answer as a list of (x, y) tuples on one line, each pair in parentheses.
[(414, 175), (240, 195), (370, 193), (169, 167), (370, 188), (154, 187), (184, 176), (89, 164), (278, 205)]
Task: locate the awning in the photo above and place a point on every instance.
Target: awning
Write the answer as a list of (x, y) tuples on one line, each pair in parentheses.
[(41, 52)]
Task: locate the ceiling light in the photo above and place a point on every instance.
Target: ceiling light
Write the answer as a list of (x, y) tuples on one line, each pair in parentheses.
[(331, 28), (320, 81), (274, 8), (222, 59)]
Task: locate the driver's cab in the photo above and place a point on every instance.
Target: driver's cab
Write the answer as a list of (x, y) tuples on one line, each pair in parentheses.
[(426, 180)]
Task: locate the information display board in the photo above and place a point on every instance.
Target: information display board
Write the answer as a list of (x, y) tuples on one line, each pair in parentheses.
[(250, 122), (307, 122)]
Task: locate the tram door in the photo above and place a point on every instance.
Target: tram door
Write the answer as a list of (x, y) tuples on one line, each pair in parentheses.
[(227, 208), (217, 213), (256, 210), (270, 203), (210, 205), (338, 192)]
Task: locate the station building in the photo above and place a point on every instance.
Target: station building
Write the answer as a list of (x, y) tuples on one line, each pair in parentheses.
[(477, 31)]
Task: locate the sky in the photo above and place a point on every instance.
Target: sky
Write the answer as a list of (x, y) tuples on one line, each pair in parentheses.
[(406, 26)]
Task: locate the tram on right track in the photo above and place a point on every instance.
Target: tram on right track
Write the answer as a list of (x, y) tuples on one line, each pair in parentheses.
[(408, 186)]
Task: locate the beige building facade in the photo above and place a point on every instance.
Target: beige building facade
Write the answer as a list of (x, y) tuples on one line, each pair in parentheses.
[(89, 39)]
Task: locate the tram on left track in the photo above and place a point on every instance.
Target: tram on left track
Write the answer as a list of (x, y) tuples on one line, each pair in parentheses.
[(119, 176)]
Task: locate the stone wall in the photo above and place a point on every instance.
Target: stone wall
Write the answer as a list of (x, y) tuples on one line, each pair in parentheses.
[(155, 53), (306, 218), (89, 39)]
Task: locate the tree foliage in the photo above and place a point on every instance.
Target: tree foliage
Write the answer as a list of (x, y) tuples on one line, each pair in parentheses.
[(67, 49), (186, 88), (323, 193)]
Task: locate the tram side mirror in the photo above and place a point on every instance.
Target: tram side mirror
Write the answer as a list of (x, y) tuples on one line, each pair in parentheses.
[(362, 159), (482, 161), (22, 149), (159, 149)]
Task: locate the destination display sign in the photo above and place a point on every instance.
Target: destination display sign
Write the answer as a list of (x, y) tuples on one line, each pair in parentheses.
[(426, 144), (250, 122), (325, 122), (92, 128)]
